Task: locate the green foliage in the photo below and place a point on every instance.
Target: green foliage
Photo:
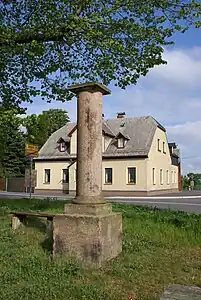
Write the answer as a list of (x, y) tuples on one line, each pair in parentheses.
[(191, 178), (12, 144), (40, 127), (196, 178), (185, 182), (160, 247), (56, 43)]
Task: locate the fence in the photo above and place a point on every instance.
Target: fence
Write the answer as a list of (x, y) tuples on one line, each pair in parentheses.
[(13, 184), (18, 184), (2, 184)]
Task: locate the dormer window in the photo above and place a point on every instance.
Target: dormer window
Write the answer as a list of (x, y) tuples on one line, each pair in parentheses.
[(121, 142), (121, 139), (62, 146)]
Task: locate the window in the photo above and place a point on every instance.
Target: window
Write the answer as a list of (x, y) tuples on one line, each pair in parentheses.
[(172, 175), (167, 177), (161, 176), (62, 146), (108, 175), (132, 175), (154, 175), (121, 142), (47, 176), (158, 141), (164, 147), (175, 177), (65, 175)]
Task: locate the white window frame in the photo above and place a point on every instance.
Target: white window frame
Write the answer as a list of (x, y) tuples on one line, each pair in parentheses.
[(45, 176), (121, 142), (154, 176), (128, 175), (62, 146), (106, 181), (164, 150), (158, 145), (168, 177), (66, 175), (161, 176)]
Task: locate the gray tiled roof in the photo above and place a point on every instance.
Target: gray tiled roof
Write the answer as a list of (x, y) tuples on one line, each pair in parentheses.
[(139, 131)]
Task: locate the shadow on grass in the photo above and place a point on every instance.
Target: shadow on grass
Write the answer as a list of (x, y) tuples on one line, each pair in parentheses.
[(47, 244), (35, 222), (43, 226)]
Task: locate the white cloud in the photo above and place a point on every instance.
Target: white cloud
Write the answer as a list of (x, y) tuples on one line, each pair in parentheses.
[(170, 93), (184, 67)]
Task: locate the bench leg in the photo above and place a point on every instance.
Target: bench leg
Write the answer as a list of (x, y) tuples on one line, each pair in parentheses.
[(49, 224), (15, 222)]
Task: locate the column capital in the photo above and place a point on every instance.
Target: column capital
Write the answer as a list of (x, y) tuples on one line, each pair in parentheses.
[(89, 87)]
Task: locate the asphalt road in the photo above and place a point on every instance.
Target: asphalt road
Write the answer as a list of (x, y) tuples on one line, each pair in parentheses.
[(185, 201)]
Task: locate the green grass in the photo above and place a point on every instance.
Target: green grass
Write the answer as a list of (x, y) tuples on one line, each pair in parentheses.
[(159, 248)]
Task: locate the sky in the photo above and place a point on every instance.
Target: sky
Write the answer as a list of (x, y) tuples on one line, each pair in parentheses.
[(170, 93)]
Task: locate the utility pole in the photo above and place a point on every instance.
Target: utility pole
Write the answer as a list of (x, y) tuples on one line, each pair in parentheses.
[(31, 151)]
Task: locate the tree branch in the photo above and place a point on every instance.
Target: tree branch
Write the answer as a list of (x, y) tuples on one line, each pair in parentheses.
[(39, 36)]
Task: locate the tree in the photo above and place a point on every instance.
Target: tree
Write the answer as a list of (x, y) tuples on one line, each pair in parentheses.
[(47, 45), (12, 144), (40, 127), (185, 182), (196, 178)]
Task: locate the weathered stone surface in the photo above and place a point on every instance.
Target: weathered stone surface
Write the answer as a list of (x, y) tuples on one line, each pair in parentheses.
[(89, 148), (89, 209), (88, 231), (180, 292), (90, 86), (15, 222), (91, 239)]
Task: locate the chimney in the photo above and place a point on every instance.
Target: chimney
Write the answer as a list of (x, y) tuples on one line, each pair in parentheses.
[(121, 115)]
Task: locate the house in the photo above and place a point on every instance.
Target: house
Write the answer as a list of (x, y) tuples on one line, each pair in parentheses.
[(137, 159)]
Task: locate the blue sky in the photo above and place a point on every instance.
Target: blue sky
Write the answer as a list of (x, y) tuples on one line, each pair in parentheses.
[(170, 93)]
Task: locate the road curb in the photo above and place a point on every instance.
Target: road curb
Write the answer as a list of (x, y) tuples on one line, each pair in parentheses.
[(152, 197)]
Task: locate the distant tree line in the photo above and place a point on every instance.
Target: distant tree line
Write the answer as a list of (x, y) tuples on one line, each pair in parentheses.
[(191, 181), (17, 129)]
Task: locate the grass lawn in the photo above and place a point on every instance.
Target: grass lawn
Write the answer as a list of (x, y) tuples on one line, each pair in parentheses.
[(159, 248)]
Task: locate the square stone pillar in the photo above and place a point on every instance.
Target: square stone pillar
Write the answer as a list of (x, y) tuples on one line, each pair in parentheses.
[(89, 230)]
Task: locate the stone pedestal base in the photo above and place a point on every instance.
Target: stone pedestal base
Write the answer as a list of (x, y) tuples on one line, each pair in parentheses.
[(88, 209), (90, 238)]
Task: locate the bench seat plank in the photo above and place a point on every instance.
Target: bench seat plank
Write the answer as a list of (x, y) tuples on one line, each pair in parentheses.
[(34, 214), (20, 217)]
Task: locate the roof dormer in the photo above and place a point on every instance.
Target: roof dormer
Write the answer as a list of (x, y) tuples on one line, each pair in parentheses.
[(62, 144), (121, 142), (122, 139)]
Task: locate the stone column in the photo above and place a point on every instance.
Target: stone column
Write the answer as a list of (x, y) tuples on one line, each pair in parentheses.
[(89, 142), (88, 230)]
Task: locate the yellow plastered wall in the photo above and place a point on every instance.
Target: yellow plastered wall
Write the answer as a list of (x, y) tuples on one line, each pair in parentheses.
[(144, 167), (56, 174), (161, 161), (73, 143), (119, 175)]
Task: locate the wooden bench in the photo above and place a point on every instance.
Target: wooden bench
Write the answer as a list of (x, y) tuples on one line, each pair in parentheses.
[(21, 218)]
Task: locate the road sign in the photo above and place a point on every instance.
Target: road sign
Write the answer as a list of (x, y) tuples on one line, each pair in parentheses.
[(32, 150)]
